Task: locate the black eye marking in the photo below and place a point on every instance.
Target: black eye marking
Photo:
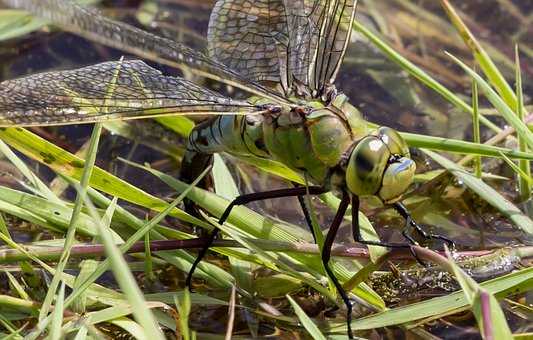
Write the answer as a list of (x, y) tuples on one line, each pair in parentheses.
[(394, 158), (363, 163)]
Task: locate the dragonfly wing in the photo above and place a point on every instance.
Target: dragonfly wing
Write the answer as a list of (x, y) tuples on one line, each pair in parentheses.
[(107, 91), (250, 36), (305, 18), (282, 40), (88, 23), (335, 26)]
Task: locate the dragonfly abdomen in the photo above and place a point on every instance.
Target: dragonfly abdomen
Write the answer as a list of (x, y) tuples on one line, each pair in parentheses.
[(237, 135)]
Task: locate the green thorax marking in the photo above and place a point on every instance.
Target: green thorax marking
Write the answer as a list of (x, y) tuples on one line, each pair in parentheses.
[(313, 141)]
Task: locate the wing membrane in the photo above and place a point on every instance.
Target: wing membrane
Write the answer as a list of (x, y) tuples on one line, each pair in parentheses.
[(249, 36), (106, 91), (282, 40), (91, 25), (335, 28)]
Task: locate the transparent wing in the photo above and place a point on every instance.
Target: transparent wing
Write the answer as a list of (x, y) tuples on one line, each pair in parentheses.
[(282, 40), (90, 24), (304, 18), (249, 36), (107, 91), (336, 19)]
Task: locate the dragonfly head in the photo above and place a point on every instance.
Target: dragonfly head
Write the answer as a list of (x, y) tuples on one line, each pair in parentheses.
[(379, 165)]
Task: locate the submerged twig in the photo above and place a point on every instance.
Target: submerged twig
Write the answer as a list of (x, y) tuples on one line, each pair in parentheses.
[(8, 255)]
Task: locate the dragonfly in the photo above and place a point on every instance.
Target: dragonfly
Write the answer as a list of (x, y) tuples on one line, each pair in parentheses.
[(285, 53)]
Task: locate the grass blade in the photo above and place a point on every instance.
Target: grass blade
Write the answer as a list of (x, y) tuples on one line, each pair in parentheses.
[(231, 314), (459, 146), (420, 74), (513, 283), (475, 127), (124, 277), (485, 62), (71, 232), (134, 238), (524, 165), (67, 164), (500, 105), (523, 175), (183, 304), (486, 192), (30, 176), (308, 324), (57, 315), (486, 309)]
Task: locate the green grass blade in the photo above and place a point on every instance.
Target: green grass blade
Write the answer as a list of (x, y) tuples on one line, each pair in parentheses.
[(181, 259), (129, 326), (506, 112), (475, 127), (226, 187), (486, 308), (459, 146), (308, 324), (134, 238), (523, 175), (273, 263), (485, 62), (486, 192), (87, 267), (420, 74), (183, 303), (67, 164), (57, 315), (30, 176), (71, 232), (148, 265), (524, 165), (17, 23), (16, 286), (37, 210), (3, 226), (81, 334), (513, 283), (124, 277)]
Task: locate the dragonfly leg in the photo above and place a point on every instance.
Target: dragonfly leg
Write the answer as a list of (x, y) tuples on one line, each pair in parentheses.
[(326, 255), (244, 199), (307, 215), (356, 230), (402, 210)]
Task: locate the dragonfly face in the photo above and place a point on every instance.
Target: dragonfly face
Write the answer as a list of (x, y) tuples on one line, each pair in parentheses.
[(379, 165)]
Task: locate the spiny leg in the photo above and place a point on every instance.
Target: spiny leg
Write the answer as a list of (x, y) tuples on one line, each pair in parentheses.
[(409, 221), (326, 255), (244, 199), (305, 210), (356, 229)]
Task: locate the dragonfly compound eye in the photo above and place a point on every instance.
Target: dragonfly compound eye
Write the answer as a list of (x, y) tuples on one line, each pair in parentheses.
[(374, 170), (366, 166), (393, 140)]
